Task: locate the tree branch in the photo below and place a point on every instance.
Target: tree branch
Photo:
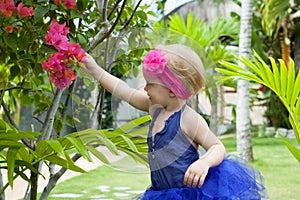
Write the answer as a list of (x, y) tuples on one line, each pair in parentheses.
[(101, 36), (53, 179), (48, 124), (12, 122), (19, 87), (131, 17)]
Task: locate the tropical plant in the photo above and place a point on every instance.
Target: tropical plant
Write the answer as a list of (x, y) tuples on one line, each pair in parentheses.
[(282, 81), (277, 26)]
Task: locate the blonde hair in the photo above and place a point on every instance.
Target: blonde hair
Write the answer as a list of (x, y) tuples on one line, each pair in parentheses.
[(186, 65)]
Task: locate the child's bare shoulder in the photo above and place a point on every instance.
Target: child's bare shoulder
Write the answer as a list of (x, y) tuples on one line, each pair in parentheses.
[(191, 120)]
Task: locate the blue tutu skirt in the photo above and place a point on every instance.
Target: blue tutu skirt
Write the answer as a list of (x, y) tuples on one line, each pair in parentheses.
[(233, 179)]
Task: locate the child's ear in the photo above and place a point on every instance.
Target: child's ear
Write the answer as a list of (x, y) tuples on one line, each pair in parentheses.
[(171, 94)]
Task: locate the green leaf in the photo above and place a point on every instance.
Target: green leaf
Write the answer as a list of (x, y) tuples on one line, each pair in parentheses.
[(11, 157), (22, 175), (295, 151), (11, 41), (263, 71), (100, 156), (140, 132), (283, 78), (77, 143), (56, 146), (64, 163), (129, 143), (92, 136), (251, 65), (141, 14), (10, 144), (40, 12), (276, 74), (82, 5), (290, 82), (132, 124), (295, 97), (136, 156), (70, 120), (27, 165), (14, 71), (5, 127), (75, 14), (41, 148), (58, 123)]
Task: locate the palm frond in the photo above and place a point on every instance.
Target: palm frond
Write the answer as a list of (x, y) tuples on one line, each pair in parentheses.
[(284, 83)]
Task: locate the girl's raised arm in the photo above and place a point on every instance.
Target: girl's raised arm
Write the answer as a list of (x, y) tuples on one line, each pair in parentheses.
[(116, 86)]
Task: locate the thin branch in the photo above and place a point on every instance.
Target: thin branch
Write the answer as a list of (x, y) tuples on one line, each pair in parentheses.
[(113, 9), (19, 87), (132, 14), (104, 9), (48, 124), (7, 113), (12, 122), (53, 179), (100, 36), (104, 29)]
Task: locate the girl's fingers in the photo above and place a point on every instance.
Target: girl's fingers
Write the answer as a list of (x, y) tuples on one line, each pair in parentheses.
[(202, 178), (188, 178), (195, 181)]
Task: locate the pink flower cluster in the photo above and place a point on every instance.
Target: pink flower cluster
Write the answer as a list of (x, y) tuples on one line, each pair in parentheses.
[(67, 3), (7, 8), (60, 63)]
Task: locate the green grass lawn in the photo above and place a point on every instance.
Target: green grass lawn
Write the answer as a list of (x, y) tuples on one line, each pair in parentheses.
[(279, 168)]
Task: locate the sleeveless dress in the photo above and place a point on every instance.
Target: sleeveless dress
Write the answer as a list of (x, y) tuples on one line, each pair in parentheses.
[(171, 155)]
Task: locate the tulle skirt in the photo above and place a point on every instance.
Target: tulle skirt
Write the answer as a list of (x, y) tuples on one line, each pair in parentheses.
[(233, 179)]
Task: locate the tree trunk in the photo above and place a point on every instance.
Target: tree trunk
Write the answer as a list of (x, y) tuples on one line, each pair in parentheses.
[(243, 133), (214, 109)]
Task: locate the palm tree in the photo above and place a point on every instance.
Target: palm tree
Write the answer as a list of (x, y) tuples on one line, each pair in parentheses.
[(243, 133)]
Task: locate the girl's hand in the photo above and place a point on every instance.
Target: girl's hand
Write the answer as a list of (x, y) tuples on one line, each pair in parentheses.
[(91, 67), (196, 173)]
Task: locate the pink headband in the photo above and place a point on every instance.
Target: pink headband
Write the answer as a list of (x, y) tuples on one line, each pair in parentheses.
[(155, 65)]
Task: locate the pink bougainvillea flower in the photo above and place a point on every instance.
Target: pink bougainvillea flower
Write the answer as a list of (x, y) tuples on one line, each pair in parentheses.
[(60, 64), (57, 2), (7, 13), (70, 4), (76, 51), (9, 29), (57, 35), (56, 28), (60, 80), (7, 7), (55, 62), (60, 42), (70, 74), (24, 11)]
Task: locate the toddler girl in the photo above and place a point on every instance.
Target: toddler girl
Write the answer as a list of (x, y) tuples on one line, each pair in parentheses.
[(174, 73)]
